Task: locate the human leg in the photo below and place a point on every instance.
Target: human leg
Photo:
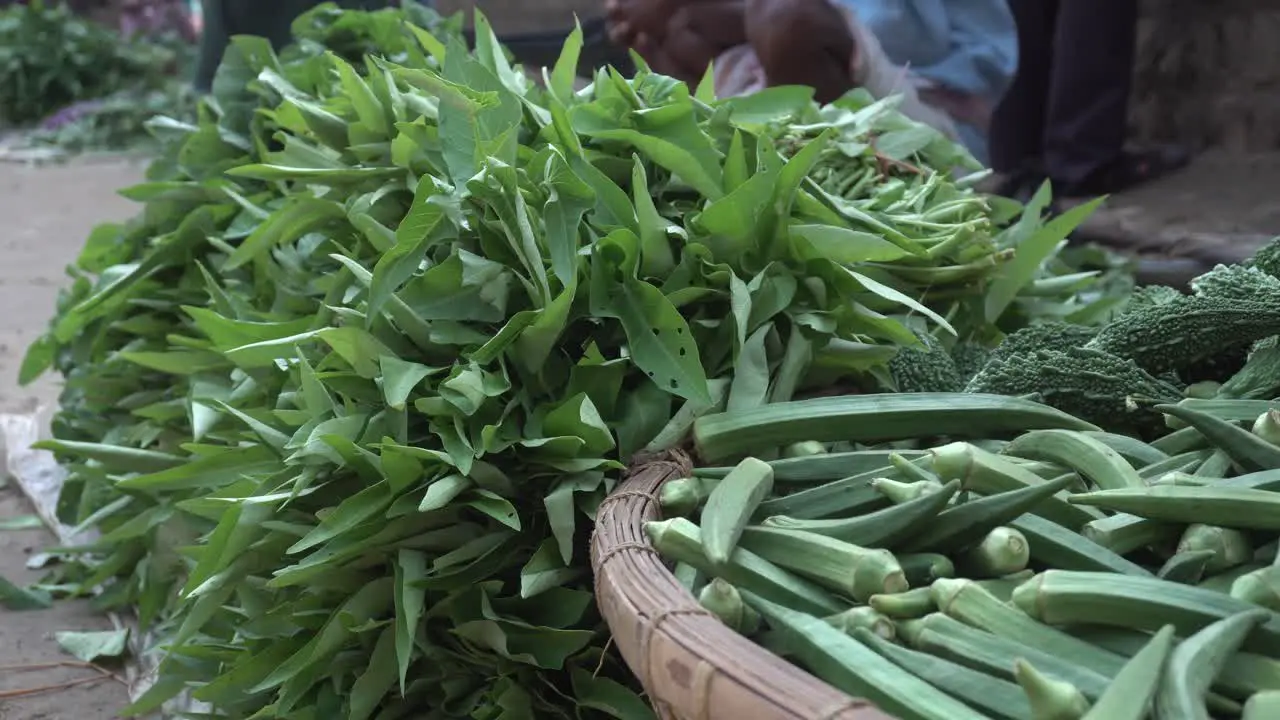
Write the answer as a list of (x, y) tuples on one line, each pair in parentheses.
[(1095, 42), (1017, 130)]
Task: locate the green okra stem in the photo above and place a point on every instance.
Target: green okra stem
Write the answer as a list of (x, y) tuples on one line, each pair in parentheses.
[(914, 603), (1229, 547), (1003, 551), (1050, 699)]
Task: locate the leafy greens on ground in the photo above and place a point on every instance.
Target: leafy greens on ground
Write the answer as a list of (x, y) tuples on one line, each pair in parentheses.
[(343, 398)]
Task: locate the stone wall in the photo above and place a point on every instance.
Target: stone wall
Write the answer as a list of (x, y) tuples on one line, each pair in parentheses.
[(1208, 73)]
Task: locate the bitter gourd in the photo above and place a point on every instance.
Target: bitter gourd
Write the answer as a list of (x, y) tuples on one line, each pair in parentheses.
[(969, 358), (1149, 295), (1267, 258), (925, 369), (1237, 282), (1044, 336), (1089, 384), (1186, 332)]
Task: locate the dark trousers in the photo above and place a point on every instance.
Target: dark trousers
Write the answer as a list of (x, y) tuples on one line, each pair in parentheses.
[(1067, 108)]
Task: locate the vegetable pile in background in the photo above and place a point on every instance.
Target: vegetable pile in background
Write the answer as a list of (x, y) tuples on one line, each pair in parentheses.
[(1067, 573), (50, 58), (343, 398), (77, 85)]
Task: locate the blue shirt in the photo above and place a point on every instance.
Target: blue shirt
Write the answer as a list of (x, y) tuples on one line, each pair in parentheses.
[(966, 45)]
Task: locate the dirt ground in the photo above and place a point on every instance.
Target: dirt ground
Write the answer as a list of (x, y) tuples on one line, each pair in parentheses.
[(46, 214)]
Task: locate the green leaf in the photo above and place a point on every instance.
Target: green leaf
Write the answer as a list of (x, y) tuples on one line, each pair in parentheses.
[(378, 678), (37, 360), (892, 295), (608, 696), (656, 258), (414, 236), (566, 69), (93, 646), (17, 598), (21, 522), (444, 491), (496, 507), (410, 570), (843, 245), (659, 338), (546, 569), (301, 215), (578, 417), (750, 386), (1033, 247), (559, 504), (400, 377)]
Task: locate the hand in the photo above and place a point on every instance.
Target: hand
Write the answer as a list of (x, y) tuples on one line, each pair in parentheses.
[(677, 37), (802, 42)]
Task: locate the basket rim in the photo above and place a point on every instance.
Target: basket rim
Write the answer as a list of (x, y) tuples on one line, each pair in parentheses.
[(692, 666)]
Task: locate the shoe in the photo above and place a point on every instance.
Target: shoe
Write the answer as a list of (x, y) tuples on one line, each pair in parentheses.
[(1131, 169)]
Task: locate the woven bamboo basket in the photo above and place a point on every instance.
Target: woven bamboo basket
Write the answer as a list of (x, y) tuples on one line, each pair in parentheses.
[(691, 665)]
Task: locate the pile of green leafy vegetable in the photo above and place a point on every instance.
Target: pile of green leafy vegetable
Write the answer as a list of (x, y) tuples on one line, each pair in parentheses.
[(50, 58), (343, 399)]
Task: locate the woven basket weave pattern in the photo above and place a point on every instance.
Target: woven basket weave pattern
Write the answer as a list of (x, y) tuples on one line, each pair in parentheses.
[(691, 665)]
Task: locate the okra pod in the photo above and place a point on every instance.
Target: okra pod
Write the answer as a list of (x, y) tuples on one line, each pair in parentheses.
[(850, 569), (849, 495), (864, 618), (872, 418), (1232, 507), (1259, 587), (970, 603), (1262, 706), (681, 497), (1138, 453), (900, 493), (856, 669), (1249, 451), (1055, 546), (1196, 661), (680, 540), (1131, 692), (988, 474), (1064, 597), (946, 637), (924, 568), (882, 528), (966, 524), (1123, 533), (998, 698), (1091, 458), (1186, 567), (825, 468), (730, 506)]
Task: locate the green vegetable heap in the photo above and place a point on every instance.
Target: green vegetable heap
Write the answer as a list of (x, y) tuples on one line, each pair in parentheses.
[(1036, 567), (1219, 340), (343, 399)]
